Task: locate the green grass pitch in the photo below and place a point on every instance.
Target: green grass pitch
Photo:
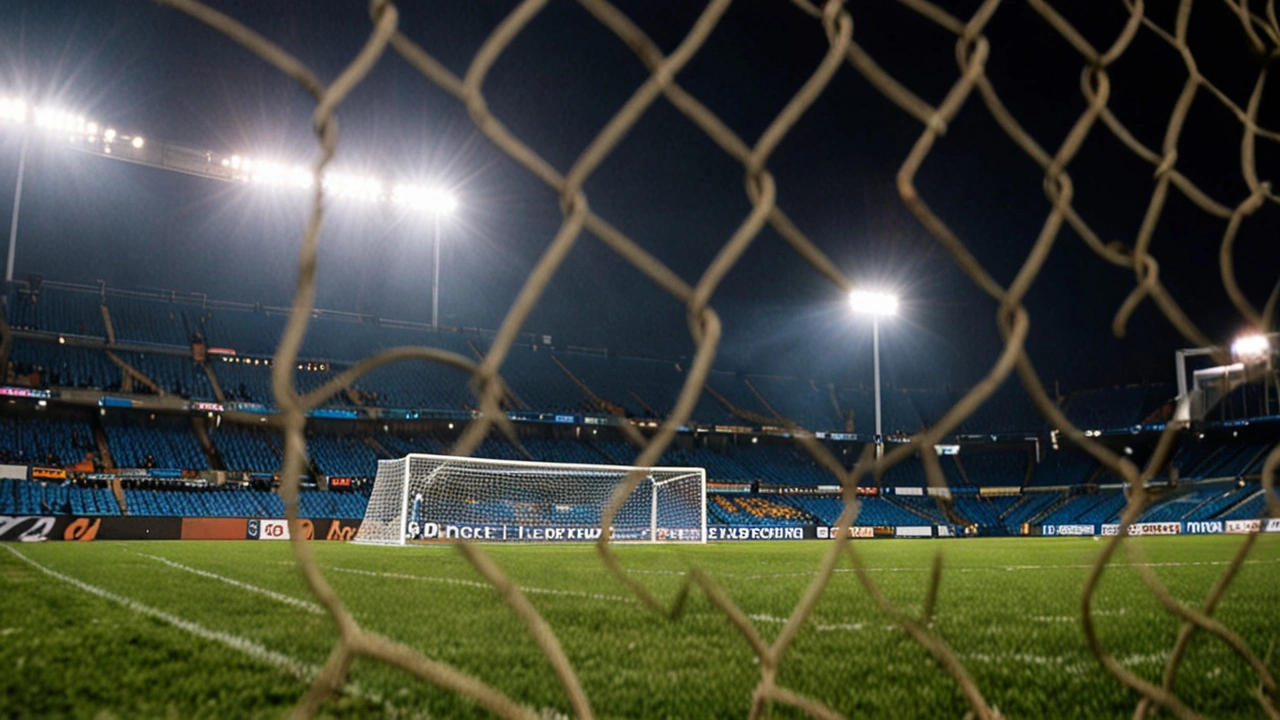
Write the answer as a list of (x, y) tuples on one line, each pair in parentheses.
[(224, 629)]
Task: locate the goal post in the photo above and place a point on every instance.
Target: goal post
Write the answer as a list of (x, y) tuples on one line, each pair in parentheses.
[(442, 497)]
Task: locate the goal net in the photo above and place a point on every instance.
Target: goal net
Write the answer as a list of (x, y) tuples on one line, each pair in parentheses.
[(442, 497)]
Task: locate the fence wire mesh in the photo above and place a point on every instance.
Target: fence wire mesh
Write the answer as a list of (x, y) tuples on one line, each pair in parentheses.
[(1259, 32)]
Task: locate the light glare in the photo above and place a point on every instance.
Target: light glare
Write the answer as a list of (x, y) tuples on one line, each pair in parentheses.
[(13, 110), (360, 187), (873, 303), (421, 197), (1250, 347), (78, 128)]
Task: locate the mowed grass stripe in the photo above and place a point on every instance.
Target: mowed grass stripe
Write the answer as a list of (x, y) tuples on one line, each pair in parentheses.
[(248, 647), (1017, 631)]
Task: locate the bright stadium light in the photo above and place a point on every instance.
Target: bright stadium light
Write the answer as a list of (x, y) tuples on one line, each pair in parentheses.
[(13, 110), (1251, 347), (87, 135), (434, 200), (873, 303), (877, 305), (358, 187)]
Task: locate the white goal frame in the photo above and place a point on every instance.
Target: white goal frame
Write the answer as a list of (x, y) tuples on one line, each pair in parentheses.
[(395, 484)]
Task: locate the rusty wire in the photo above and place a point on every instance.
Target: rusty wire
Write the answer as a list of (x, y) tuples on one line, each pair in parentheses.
[(1259, 30)]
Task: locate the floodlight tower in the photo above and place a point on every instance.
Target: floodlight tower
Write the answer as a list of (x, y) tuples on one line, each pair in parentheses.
[(440, 204), (14, 111), (443, 205), (877, 305), (1256, 350)]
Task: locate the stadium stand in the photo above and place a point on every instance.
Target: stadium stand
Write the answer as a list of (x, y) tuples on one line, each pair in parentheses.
[(640, 388), (247, 449), (24, 497), (140, 320), (67, 338), (169, 445), (53, 443), (993, 469), (57, 311), (54, 365), (175, 375), (1249, 507), (342, 455), (752, 510), (538, 382)]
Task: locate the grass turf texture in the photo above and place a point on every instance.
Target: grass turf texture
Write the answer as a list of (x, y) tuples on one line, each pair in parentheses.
[(1008, 607)]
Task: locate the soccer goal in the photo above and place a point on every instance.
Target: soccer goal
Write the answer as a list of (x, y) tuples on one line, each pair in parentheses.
[(440, 497)]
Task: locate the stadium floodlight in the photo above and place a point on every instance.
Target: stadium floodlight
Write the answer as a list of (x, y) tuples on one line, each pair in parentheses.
[(434, 200), (358, 187), (137, 142), (1251, 348), (13, 110), (868, 302), (877, 305)]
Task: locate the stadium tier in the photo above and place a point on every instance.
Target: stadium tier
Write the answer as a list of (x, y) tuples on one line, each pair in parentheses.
[(71, 336), (186, 348)]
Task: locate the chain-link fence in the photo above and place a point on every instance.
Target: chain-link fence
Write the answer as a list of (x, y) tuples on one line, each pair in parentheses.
[(1258, 32)]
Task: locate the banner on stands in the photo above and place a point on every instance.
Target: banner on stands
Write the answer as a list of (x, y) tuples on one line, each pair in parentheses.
[(1160, 528), (438, 531), (1236, 527), (999, 490), (913, 531), (855, 531), (26, 528), (1204, 527), (36, 528), (267, 529), (40, 473), (1069, 530), (205, 528), (761, 532), (908, 491)]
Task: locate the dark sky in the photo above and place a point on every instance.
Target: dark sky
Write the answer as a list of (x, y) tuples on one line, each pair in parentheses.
[(152, 70)]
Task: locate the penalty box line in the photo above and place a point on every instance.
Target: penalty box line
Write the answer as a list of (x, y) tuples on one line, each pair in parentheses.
[(306, 605), (461, 582)]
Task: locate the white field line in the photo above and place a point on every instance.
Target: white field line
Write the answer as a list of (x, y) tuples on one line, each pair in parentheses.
[(1076, 618), (487, 586), (1071, 665), (278, 597), (833, 627), (1003, 568), (293, 666)]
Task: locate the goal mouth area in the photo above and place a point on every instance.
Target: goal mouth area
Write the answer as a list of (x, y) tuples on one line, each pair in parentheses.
[(428, 499)]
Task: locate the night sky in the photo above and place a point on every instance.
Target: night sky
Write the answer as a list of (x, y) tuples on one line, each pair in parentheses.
[(154, 71)]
